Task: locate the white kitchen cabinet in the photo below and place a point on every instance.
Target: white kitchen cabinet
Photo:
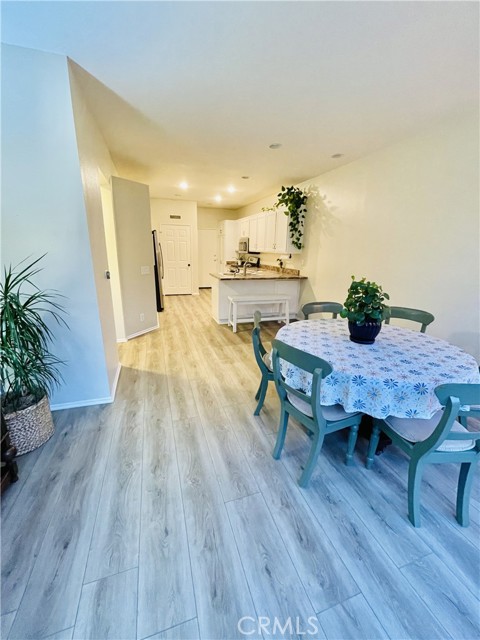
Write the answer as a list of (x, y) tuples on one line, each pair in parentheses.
[(267, 232), (222, 288), (260, 244), (283, 244), (253, 237), (244, 227), (270, 232), (262, 232), (281, 232)]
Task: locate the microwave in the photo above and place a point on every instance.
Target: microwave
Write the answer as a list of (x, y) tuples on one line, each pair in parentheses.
[(243, 245)]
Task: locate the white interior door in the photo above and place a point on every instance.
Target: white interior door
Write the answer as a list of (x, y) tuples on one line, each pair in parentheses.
[(207, 256), (133, 235), (175, 241)]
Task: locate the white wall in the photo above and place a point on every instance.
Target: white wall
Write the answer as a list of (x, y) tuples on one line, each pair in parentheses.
[(162, 209), (408, 218), (43, 210), (95, 162), (210, 218)]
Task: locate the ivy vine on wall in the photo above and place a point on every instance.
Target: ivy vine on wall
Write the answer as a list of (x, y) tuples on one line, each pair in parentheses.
[(294, 200)]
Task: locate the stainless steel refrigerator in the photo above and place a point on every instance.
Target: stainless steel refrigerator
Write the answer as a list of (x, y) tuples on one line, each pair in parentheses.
[(158, 269)]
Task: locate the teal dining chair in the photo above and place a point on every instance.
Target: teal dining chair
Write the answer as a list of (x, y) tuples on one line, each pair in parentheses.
[(263, 360), (416, 315), (441, 438), (319, 420), (321, 307)]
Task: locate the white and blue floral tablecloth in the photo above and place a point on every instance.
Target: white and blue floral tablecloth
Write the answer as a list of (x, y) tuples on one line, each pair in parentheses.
[(395, 376)]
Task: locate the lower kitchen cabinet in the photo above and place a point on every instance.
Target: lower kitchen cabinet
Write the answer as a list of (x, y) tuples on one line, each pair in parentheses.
[(222, 288)]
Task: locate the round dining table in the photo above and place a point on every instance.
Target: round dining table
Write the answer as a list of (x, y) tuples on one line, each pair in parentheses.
[(394, 376)]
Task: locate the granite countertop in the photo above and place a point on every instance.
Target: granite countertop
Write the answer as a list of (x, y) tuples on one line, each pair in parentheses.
[(263, 273)]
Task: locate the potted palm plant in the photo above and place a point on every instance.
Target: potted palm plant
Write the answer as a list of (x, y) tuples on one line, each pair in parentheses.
[(365, 309), (28, 371)]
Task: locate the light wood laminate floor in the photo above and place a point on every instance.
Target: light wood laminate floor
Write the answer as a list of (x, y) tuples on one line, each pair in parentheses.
[(164, 515)]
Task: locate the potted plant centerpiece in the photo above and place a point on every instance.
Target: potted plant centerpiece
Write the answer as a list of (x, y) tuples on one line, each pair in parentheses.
[(365, 309), (28, 371)]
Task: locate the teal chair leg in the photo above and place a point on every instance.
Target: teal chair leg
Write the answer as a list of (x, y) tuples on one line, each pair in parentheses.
[(312, 459), (372, 445), (262, 393), (257, 395), (415, 472), (352, 440), (282, 431), (465, 482)]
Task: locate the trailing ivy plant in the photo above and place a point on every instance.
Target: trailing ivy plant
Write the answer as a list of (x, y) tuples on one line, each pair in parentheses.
[(28, 370), (365, 302), (294, 200)]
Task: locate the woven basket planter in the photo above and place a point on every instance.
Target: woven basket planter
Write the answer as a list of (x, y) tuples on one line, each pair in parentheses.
[(30, 427)]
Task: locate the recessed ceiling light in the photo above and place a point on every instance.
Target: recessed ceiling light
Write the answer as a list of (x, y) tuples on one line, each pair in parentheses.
[(231, 189), (337, 155), (183, 185), (275, 145), (218, 198), (245, 177)]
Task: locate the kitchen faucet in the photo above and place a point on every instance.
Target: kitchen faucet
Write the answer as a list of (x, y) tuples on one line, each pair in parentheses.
[(246, 264)]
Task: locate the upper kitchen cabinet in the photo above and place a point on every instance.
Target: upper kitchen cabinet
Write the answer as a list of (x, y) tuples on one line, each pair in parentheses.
[(262, 232), (253, 243), (269, 233), (244, 227), (283, 244)]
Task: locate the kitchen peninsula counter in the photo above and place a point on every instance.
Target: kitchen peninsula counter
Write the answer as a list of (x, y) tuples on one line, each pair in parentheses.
[(256, 282), (257, 275)]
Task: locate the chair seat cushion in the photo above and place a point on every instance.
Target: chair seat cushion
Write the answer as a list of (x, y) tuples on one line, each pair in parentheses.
[(417, 430), (331, 413), (267, 359)]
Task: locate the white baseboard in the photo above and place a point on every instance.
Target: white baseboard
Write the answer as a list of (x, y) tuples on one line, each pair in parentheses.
[(88, 403), (113, 390), (119, 340), (141, 333), (81, 403)]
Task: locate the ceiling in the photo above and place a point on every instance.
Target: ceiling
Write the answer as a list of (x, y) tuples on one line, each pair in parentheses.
[(197, 91)]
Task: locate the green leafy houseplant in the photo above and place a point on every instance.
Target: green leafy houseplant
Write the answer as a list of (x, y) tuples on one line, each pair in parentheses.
[(365, 303), (294, 200), (28, 371)]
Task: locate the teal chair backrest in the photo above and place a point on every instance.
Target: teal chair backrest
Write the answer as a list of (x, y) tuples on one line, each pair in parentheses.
[(460, 401), (263, 361), (416, 315), (258, 348), (320, 421), (321, 307), (309, 363)]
